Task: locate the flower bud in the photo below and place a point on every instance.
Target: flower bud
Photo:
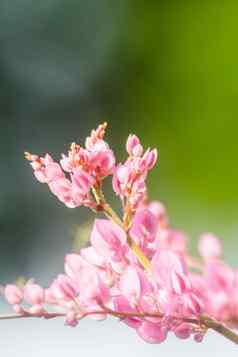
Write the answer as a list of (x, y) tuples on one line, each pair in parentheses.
[(71, 318), (82, 181), (13, 294), (34, 294), (133, 146), (64, 288), (209, 246), (152, 333), (183, 331), (150, 158), (73, 264)]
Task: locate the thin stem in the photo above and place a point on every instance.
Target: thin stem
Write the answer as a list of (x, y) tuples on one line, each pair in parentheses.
[(50, 315), (220, 328), (46, 315), (203, 320)]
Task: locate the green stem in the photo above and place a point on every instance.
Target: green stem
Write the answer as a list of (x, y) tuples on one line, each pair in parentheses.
[(220, 328)]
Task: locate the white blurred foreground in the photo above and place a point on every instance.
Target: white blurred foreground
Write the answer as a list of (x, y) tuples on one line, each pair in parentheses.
[(35, 337)]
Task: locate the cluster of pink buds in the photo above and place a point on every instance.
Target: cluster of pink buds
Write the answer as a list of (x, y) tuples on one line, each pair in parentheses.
[(72, 179), (136, 268), (129, 177)]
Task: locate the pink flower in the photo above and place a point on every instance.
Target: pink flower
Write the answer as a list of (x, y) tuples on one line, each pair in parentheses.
[(144, 227), (64, 288), (90, 255), (13, 294), (62, 188), (152, 332), (164, 263), (73, 264), (121, 179), (183, 330), (130, 285), (71, 318), (102, 162), (136, 267), (34, 294), (91, 287), (129, 178), (133, 146), (86, 168), (149, 159), (96, 137), (209, 246), (109, 240), (159, 210)]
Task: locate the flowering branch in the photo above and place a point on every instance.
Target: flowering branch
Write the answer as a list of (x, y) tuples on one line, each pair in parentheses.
[(136, 268), (204, 320)]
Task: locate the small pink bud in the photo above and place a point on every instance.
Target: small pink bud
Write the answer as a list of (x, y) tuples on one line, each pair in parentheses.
[(133, 146), (183, 331), (71, 318), (137, 150), (209, 246), (82, 181), (64, 288), (123, 174), (152, 333), (73, 264), (53, 171), (34, 294), (150, 158), (159, 210), (13, 294), (198, 337)]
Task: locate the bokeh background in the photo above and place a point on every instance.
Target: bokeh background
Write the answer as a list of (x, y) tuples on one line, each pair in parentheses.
[(166, 70)]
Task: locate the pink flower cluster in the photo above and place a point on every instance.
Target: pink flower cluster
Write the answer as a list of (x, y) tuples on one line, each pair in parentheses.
[(129, 178), (72, 179), (217, 285), (105, 278), (137, 268)]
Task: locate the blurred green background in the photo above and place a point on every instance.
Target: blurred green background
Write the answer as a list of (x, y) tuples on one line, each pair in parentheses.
[(166, 70)]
